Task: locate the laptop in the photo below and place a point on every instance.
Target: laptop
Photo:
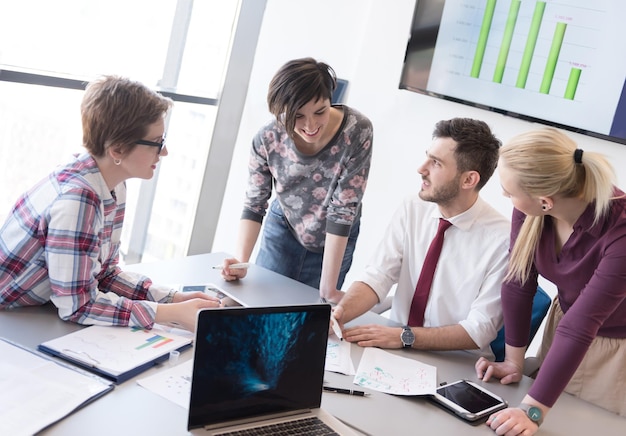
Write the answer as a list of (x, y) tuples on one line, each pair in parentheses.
[(256, 367)]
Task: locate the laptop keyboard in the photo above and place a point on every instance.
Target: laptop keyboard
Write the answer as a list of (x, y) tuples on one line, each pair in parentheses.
[(305, 426)]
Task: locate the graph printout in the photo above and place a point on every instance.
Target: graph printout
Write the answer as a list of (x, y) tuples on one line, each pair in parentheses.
[(116, 350), (561, 61), (385, 372)]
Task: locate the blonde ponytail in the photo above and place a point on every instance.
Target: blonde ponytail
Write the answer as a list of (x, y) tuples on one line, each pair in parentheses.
[(548, 163)]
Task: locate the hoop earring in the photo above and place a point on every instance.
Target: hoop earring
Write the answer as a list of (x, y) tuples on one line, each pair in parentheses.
[(117, 161)]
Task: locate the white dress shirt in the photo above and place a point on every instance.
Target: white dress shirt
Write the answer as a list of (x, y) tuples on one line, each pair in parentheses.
[(469, 274)]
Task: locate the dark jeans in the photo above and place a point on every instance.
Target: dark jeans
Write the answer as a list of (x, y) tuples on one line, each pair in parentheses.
[(281, 252)]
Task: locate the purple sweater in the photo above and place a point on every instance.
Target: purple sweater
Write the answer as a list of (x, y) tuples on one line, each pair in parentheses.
[(590, 274)]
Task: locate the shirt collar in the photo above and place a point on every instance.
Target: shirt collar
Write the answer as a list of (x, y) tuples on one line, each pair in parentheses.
[(97, 182), (584, 223), (464, 220)]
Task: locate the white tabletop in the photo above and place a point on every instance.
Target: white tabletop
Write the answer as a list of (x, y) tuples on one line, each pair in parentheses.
[(131, 409)]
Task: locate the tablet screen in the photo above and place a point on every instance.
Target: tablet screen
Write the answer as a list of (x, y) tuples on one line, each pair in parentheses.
[(469, 397)]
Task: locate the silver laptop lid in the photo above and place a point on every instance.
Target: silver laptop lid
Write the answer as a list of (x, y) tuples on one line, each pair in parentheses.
[(252, 362)]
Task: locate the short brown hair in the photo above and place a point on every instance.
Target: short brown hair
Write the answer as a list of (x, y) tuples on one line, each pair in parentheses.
[(117, 110), (477, 147), (295, 84)]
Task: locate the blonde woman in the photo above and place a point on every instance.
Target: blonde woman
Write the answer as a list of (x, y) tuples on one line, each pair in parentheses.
[(569, 225)]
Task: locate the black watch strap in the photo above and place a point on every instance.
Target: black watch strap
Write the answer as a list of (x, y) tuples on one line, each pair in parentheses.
[(407, 337)]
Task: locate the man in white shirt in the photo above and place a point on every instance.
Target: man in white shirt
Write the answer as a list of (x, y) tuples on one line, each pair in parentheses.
[(463, 310)]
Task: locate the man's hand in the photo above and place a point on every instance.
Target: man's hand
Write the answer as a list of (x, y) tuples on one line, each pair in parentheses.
[(374, 335)]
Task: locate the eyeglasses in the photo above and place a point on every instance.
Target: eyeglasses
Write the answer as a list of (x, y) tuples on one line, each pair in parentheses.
[(153, 144)]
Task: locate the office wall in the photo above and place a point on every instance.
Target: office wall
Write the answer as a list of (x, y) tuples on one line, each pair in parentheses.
[(364, 40)]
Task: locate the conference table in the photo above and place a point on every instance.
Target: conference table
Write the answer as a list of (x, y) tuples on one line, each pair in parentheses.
[(132, 409)]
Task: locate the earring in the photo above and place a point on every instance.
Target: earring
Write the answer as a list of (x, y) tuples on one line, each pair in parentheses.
[(117, 161)]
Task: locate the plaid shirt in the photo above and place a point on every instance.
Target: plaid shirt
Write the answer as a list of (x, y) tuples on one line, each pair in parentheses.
[(61, 244)]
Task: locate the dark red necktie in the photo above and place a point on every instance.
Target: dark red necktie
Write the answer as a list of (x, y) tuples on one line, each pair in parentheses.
[(422, 290)]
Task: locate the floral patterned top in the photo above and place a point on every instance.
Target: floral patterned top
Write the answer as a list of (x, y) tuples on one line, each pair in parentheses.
[(318, 193)]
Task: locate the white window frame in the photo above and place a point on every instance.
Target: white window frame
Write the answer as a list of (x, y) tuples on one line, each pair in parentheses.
[(230, 108)]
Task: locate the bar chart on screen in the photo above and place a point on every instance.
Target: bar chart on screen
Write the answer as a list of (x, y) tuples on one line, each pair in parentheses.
[(529, 43), (556, 60)]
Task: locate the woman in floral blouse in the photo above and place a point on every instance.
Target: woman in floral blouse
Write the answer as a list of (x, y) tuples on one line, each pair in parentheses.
[(316, 156)]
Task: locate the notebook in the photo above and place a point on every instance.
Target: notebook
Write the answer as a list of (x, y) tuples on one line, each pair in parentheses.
[(37, 391), (259, 366)]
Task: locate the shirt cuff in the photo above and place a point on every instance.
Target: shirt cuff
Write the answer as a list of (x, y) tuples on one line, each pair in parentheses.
[(159, 293)]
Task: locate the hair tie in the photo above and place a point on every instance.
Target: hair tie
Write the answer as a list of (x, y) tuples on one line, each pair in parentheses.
[(578, 156)]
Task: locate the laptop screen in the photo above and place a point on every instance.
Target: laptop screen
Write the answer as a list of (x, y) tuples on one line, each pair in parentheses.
[(255, 361)]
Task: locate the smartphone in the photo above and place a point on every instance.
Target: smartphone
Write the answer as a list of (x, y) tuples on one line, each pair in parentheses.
[(209, 289), (213, 290), (468, 400)]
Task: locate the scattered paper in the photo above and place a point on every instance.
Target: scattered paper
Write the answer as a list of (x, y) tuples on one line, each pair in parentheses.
[(385, 372), (338, 357), (173, 384)]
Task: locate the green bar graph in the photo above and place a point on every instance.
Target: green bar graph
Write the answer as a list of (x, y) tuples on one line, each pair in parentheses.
[(518, 20), (531, 43), (572, 83), (506, 41), (482, 38), (553, 56)]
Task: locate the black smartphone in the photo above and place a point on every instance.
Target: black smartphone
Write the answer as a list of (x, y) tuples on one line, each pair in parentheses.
[(468, 400)]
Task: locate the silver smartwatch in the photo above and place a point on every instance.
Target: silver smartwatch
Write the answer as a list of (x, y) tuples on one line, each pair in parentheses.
[(533, 412)]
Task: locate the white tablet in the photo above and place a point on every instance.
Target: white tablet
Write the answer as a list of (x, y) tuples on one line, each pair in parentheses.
[(468, 400)]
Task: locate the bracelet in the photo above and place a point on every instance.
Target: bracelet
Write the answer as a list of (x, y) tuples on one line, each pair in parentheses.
[(170, 296)]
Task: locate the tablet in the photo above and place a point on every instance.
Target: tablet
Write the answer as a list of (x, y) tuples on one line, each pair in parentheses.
[(468, 400)]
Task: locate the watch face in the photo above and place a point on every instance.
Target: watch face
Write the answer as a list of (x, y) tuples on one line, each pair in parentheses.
[(407, 337), (534, 413)]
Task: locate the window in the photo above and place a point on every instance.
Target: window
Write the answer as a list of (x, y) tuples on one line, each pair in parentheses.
[(49, 50)]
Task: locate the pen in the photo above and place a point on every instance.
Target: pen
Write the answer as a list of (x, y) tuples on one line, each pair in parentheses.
[(345, 391), (336, 328), (243, 265)]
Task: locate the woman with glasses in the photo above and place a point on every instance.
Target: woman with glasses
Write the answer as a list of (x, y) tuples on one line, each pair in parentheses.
[(317, 157), (61, 241)]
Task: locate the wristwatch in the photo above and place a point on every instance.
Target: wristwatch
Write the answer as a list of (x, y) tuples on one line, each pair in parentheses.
[(170, 296), (407, 337), (533, 412)]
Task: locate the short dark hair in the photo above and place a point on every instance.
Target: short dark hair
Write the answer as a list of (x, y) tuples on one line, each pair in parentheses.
[(477, 147), (295, 84), (117, 110)]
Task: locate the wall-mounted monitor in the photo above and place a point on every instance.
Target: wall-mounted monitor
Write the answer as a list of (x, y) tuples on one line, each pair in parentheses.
[(558, 62)]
